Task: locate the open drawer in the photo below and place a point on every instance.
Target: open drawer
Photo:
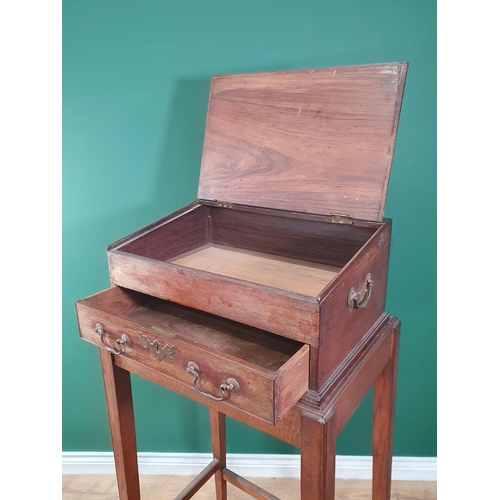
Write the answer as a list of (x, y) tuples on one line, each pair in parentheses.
[(237, 365)]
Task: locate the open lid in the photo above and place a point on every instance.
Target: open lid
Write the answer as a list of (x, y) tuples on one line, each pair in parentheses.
[(318, 141)]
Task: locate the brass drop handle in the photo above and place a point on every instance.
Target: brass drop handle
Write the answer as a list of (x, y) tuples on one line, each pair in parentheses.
[(359, 300), (230, 385), (124, 340)]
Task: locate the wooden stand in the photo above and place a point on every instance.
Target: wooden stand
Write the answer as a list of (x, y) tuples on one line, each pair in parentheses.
[(312, 425)]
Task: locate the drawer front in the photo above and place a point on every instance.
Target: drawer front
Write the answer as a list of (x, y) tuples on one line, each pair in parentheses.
[(217, 376)]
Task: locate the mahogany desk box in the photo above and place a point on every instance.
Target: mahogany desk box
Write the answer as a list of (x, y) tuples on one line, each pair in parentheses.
[(271, 286)]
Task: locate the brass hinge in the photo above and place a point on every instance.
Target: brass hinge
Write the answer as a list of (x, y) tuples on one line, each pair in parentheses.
[(224, 204), (342, 219)]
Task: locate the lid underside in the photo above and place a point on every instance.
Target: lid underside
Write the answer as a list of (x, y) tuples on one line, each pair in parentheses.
[(317, 141)]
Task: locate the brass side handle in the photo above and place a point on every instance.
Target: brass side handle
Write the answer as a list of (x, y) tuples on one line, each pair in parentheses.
[(359, 300), (230, 385), (124, 340)]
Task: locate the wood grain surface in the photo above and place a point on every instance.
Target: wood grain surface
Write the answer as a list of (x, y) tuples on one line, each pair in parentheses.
[(296, 276), (261, 363), (318, 140), (290, 315), (169, 323), (337, 318)]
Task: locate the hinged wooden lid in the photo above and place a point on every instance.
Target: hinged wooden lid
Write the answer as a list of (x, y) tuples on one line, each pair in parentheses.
[(318, 141)]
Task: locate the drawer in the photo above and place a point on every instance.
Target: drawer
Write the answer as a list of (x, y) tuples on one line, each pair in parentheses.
[(228, 363)]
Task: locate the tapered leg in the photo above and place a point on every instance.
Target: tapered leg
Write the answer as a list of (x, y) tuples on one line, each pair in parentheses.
[(218, 430), (383, 423), (121, 420), (317, 452)]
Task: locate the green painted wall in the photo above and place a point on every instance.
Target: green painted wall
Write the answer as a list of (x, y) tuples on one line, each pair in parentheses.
[(135, 88)]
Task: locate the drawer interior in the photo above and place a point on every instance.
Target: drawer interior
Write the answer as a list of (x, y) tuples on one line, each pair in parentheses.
[(289, 253), (170, 320)]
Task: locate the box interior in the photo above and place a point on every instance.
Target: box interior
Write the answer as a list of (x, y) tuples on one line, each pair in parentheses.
[(169, 320), (289, 253)]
